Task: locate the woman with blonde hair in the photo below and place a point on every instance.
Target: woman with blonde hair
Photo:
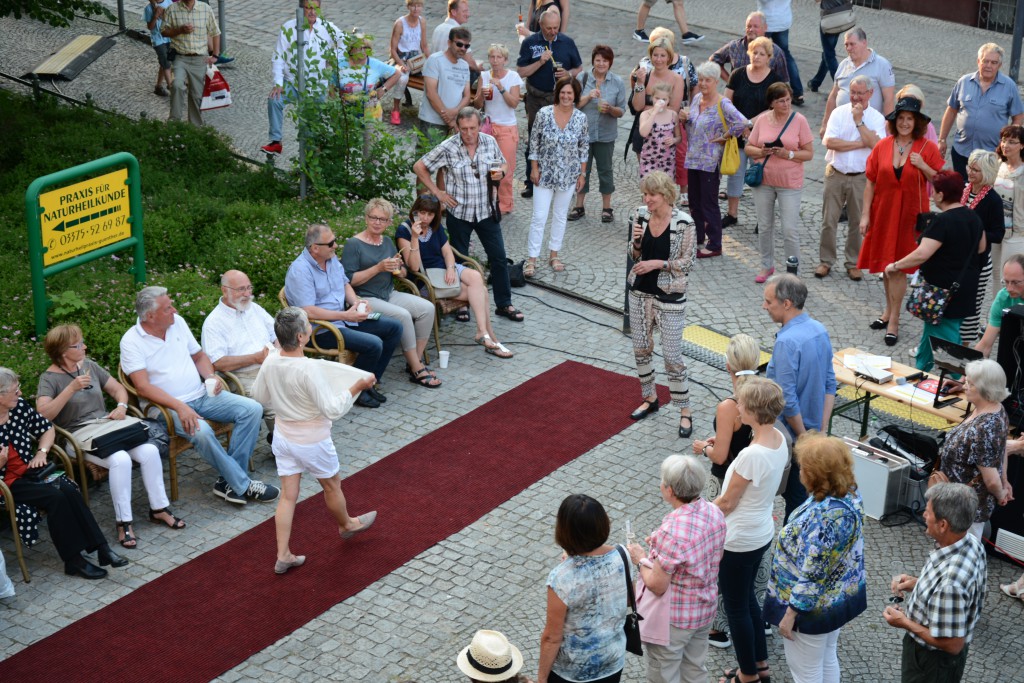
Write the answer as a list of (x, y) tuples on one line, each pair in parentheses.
[(980, 197), (497, 96), (817, 578), (662, 248)]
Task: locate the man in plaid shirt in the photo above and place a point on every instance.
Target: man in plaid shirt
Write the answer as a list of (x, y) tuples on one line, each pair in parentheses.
[(946, 600), (467, 159)]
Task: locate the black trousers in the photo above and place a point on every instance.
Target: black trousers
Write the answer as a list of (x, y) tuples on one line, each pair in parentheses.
[(72, 526)]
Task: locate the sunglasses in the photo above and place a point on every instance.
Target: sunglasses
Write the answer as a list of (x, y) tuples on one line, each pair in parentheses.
[(327, 244), (460, 44)]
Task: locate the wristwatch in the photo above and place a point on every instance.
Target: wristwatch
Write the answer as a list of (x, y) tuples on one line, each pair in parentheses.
[(791, 155), (639, 87)]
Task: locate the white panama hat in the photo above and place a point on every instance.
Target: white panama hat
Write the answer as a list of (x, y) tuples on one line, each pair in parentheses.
[(490, 657)]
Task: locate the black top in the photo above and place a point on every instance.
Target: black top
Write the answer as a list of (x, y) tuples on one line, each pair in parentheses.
[(990, 211), (958, 230), (563, 50), (653, 248), (534, 17), (740, 440), (750, 98)]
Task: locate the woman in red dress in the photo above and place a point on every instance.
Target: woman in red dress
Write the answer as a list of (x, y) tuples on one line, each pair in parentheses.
[(898, 171)]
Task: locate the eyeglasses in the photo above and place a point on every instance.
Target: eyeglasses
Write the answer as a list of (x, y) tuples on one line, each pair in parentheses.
[(13, 390), (378, 219), (1013, 283), (973, 169), (327, 244), (1009, 141), (247, 288), (460, 44), (476, 171), (80, 345)]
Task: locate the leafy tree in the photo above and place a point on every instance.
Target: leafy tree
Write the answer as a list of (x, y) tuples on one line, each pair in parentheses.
[(53, 12)]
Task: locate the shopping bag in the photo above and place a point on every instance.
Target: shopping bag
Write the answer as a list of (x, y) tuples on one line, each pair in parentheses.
[(216, 92)]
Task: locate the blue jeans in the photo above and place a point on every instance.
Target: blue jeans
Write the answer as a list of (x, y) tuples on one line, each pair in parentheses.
[(829, 62), (736, 575), (275, 109), (489, 232), (374, 340), (246, 414), (781, 40)]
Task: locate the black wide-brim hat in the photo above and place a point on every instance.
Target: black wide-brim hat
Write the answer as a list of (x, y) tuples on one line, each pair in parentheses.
[(911, 104)]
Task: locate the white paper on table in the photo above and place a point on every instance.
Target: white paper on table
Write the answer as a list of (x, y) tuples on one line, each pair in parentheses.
[(854, 361), (912, 393)]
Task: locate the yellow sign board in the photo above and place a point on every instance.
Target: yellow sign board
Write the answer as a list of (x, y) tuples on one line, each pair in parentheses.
[(85, 216)]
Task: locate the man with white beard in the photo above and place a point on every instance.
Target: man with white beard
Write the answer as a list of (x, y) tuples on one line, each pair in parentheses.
[(237, 333)]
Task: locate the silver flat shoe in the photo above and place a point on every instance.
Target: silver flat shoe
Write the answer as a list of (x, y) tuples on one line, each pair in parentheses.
[(367, 520), (281, 567)]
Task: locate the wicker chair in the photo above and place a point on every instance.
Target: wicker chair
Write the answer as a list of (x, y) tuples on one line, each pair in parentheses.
[(445, 306), (8, 497), (180, 444)]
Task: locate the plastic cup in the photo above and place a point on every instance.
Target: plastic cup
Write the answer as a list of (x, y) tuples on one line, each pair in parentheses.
[(495, 171), (444, 359), (211, 385), (602, 106), (361, 308), (488, 92)]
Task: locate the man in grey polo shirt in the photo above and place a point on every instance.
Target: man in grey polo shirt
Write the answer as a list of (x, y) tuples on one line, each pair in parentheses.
[(981, 103), (852, 132), (865, 61)]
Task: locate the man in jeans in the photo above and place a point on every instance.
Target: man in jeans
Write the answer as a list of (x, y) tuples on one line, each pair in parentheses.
[(167, 366), (945, 602), (466, 158), (779, 14)]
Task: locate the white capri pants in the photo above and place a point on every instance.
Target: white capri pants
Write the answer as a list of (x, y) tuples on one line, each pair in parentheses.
[(543, 198), (120, 466), (812, 658), (415, 313)]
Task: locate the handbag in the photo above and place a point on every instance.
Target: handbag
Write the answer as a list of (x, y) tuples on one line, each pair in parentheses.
[(654, 609), (633, 619), (755, 172), (928, 302), (442, 290), (216, 91), (730, 163), (103, 437), (837, 16), (415, 63)]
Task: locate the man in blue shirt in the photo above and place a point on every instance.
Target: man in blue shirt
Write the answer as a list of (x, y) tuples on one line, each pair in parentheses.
[(544, 57), (316, 282), (981, 103), (802, 365)]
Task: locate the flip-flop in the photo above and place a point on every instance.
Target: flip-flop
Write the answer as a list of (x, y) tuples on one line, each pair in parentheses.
[(462, 315), (492, 347)]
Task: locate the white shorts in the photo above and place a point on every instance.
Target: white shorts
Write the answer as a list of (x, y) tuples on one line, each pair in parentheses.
[(319, 459)]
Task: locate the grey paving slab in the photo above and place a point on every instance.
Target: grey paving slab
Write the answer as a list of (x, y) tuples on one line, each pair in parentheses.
[(410, 624)]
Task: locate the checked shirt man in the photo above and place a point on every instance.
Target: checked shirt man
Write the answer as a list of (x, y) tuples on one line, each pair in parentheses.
[(189, 24), (466, 158)]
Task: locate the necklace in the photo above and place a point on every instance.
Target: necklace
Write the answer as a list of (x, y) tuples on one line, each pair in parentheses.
[(369, 240), (75, 376), (901, 148)]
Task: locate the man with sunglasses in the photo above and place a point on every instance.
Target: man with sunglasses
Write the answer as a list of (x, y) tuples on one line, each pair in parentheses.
[(544, 57), (238, 334), (445, 84), (316, 282)]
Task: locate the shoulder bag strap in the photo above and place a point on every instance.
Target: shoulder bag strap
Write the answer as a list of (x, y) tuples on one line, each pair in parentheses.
[(629, 584), (586, 77)]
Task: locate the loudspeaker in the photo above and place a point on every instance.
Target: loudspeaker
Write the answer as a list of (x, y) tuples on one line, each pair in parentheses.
[(879, 477), (1010, 355), (1010, 519)]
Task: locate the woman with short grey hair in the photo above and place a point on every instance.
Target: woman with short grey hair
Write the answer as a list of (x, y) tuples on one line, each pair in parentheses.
[(980, 197), (682, 561), (974, 452)]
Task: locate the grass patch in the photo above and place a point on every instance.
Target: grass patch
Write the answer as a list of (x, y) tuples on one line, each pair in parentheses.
[(204, 212)]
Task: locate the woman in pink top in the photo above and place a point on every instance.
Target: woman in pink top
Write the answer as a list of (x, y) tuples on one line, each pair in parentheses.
[(781, 140)]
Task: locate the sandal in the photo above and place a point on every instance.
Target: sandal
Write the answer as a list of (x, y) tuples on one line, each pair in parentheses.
[(510, 312), (127, 540), (492, 347), (463, 315), (556, 264), (722, 196), (765, 678), (607, 215), (176, 524), (530, 267), (1015, 589), (425, 378), (577, 213)]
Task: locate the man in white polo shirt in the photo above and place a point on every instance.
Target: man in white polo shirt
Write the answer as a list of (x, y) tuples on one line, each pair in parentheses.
[(851, 133), (237, 333), (167, 365)]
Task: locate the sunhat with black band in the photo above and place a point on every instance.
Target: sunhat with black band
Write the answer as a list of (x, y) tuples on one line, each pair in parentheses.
[(490, 657)]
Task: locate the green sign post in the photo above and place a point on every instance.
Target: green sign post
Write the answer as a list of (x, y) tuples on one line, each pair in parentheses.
[(72, 224)]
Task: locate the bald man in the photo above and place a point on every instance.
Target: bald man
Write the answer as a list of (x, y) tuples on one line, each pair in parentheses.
[(238, 333)]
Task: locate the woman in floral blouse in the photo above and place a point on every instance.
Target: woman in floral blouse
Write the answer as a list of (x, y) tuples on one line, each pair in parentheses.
[(559, 149), (817, 578)]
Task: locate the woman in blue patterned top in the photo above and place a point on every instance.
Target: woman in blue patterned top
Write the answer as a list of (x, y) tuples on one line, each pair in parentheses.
[(583, 639), (817, 579)]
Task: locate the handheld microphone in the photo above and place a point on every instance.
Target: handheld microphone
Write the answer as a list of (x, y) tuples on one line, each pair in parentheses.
[(910, 378)]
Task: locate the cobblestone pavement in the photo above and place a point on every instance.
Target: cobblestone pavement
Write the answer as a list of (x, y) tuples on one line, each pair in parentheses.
[(410, 624)]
